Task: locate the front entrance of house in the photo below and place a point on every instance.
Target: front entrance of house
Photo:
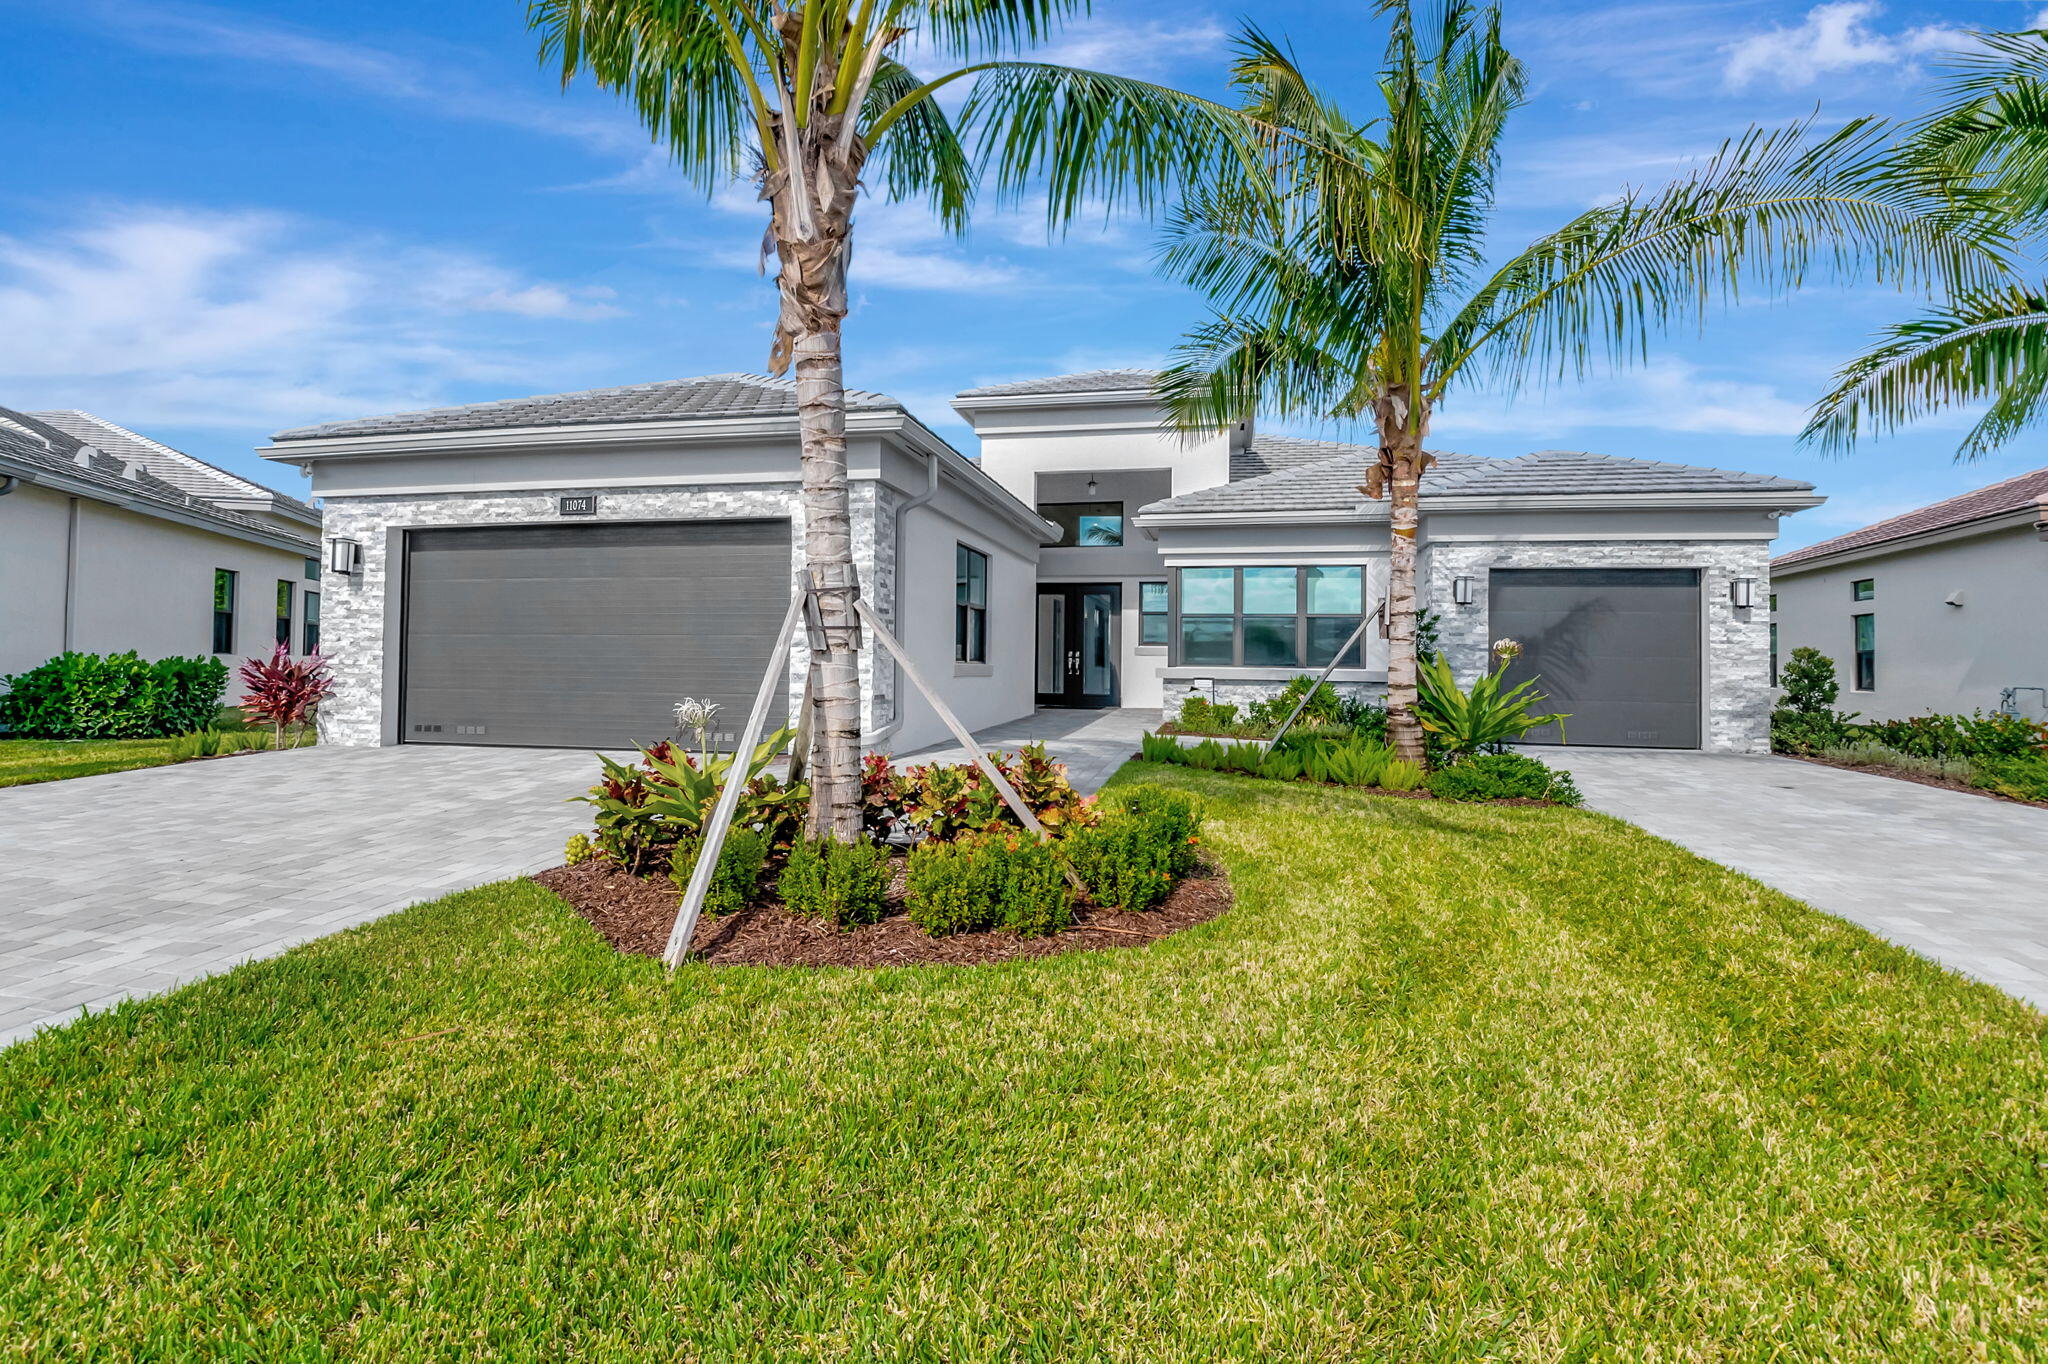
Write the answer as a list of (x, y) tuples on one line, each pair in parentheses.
[(1077, 645)]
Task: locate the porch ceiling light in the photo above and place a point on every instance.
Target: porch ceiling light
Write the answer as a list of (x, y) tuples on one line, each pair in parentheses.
[(1463, 590), (1742, 592), (1093, 487), (344, 556)]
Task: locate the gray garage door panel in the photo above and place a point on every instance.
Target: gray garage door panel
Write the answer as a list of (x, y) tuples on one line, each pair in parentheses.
[(1617, 649), (586, 635)]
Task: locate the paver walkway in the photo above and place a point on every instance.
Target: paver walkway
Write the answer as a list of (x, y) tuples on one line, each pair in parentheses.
[(1958, 877), (130, 883), (1092, 743)]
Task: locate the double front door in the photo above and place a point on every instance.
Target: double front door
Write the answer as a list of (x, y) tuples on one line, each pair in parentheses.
[(1077, 644)]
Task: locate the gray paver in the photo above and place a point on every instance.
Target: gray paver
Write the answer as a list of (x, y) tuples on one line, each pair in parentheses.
[(1954, 876)]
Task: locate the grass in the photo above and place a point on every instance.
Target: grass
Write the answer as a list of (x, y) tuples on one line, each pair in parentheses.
[(24, 761), (1451, 1082)]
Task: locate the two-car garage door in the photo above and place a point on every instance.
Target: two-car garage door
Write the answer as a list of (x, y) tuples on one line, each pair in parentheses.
[(585, 635), (1616, 649)]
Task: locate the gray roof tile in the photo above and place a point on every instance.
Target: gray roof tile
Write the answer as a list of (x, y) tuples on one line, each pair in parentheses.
[(1089, 381), (41, 445), (1331, 484), (187, 473), (710, 395)]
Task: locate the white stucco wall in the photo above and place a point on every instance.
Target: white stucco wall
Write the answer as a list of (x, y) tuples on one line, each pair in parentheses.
[(1931, 656), (141, 583)]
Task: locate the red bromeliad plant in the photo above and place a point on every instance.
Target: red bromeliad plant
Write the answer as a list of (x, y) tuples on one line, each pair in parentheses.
[(282, 690)]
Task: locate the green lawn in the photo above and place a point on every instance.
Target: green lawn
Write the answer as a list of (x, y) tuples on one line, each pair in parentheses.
[(1451, 1082), (23, 761)]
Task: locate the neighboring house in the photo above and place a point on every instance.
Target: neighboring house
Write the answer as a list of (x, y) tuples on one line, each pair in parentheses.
[(561, 570), (1944, 609), (110, 541)]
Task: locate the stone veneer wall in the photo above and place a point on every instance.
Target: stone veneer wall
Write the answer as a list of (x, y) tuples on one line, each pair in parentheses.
[(353, 609), (1738, 643)]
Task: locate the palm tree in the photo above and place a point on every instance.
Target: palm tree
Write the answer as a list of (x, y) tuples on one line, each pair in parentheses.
[(1985, 142), (812, 100), (1353, 281)]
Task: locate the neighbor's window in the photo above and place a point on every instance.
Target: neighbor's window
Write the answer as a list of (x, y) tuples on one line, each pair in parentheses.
[(1270, 617), (1774, 601), (1086, 523), (312, 570), (223, 610), (1863, 589), (284, 611), (970, 605), (1866, 653), (1774, 651), (1153, 616), (310, 624)]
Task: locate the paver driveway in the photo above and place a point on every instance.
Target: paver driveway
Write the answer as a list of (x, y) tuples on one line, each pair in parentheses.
[(1959, 877), (133, 882)]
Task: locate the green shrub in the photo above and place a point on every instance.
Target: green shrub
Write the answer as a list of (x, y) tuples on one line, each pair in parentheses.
[(1207, 755), (1200, 715), (1323, 707), (957, 886), (1243, 758), (847, 883), (1157, 748), (1174, 816), (1809, 733), (579, 850), (1503, 776), (738, 872), (1975, 735), (2024, 777), (1806, 721), (1406, 776), (112, 696), (1124, 863), (1487, 716), (1036, 899), (1365, 719), (1867, 754), (1282, 764)]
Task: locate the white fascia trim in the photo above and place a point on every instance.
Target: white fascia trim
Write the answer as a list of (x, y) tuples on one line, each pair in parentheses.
[(684, 430), (1625, 537), (2012, 519), (549, 485), (1309, 558), (57, 482), (964, 403), (1450, 504), (1259, 518)]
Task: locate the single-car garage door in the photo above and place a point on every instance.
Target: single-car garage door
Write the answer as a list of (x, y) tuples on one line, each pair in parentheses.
[(1617, 649), (586, 635)]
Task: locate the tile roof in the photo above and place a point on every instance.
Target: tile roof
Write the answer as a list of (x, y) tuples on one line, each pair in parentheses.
[(1088, 381), (710, 395), (1331, 484), (40, 445), (187, 473), (1271, 454), (2014, 494)]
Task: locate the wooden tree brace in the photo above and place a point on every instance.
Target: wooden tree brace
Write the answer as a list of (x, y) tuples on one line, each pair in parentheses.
[(1379, 613)]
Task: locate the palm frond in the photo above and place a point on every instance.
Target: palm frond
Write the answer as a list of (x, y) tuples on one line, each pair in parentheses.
[(1986, 347), (919, 155), (1990, 133)]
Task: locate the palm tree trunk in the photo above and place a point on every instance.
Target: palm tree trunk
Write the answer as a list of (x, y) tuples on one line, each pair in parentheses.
[(828, 556), (1402, 462)]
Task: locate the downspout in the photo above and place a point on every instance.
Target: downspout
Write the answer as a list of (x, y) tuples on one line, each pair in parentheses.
[(896, 609), (70, 572)]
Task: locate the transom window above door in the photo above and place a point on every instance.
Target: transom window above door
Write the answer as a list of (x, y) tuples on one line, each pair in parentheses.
[(1270, 616), (1086, 523)]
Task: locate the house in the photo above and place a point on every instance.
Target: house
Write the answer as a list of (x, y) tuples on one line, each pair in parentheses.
[(563, 569), (1943, 609), (110, 541)]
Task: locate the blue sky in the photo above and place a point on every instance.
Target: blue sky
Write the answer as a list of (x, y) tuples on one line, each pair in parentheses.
[(220, 220)]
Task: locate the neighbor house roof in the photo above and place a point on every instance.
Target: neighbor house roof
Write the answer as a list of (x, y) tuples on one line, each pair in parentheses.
[(42, 453), (1331, 484), (709, 395), (1088, 381), (187, 473), (2028, 491)]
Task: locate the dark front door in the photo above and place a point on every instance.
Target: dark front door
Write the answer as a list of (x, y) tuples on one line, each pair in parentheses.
[(1077, 644), (1617, 649)]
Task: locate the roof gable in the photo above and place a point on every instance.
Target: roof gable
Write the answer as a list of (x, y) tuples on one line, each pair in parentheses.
[(2011, 495)]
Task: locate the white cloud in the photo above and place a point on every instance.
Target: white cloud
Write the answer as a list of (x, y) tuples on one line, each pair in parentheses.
[(1667, 395), (1833, 38), (1142, 49), (231, 319)]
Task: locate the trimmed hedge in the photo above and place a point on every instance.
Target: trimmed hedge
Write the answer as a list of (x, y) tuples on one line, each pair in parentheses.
[(113, 696), (1503, 776), (738, 873), (847, 883)]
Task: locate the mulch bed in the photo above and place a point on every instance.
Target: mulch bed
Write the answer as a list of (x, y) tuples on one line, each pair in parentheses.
[(1923, 778), (635, 915)]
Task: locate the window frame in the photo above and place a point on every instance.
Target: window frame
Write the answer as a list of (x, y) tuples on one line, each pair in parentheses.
[(1863, 589), (312, 570), (968, 645), (1774, 653), (1862, 626), (309, 622), (287, 598), (1300, 621), (1070, 535), (226, 585), (1163, 616)]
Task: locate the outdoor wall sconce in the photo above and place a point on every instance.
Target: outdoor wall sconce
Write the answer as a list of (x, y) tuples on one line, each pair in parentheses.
[(1742, 591), (1463, 590), (344, 556)]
